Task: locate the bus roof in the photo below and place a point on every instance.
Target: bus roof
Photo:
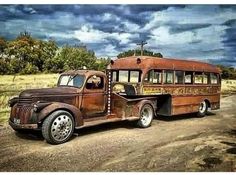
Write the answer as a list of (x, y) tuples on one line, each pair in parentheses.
[(148, 62)]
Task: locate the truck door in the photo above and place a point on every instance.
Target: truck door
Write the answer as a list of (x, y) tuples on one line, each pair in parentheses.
[(94, 97)]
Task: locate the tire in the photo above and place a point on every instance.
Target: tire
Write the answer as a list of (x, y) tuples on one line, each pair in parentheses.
[(202, 110), (145, 116), (58, 127)]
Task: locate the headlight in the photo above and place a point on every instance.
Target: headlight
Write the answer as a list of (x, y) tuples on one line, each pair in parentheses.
[(35, 107), (38, 106)]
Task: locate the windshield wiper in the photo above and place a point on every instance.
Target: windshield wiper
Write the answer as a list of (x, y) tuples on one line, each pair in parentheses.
[(71, 78)]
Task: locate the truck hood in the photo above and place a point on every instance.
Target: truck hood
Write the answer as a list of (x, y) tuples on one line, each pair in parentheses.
[(48, 91)]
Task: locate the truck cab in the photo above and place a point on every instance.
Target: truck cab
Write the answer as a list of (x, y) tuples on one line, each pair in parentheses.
[(82, 98)]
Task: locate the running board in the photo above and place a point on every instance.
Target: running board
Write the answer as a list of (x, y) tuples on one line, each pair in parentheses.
[(98, 122)]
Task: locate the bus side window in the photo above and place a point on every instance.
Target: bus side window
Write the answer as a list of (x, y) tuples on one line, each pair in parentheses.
[(168, 77), (188, 78), (206, 78), (134, 76), (213, 78), (179, 77), (198, 78), (153, 76), (157, 77)]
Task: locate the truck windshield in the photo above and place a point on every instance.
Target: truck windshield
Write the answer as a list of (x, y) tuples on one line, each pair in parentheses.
[(71, 80)]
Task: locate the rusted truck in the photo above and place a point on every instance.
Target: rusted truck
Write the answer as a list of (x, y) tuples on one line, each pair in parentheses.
[(133, 88)]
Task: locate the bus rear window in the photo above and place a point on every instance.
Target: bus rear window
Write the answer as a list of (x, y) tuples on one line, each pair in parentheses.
[(132, 76), (123, 76)]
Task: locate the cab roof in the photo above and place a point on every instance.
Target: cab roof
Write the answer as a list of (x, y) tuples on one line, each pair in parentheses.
[(84, 72), (149, 62)]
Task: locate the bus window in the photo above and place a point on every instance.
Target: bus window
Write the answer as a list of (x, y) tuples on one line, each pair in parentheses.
[(188, 79), (157, 77), (214, 79), (168, 77), (179, 77), (153, 76), (123, 76), (114, 76), (198, 78), (206, 78), (134, 76)]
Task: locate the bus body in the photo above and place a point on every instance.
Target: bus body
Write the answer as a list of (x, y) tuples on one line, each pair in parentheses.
[(181, 85)]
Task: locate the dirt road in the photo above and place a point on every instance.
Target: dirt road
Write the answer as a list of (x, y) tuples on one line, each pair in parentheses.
[(183, 143)]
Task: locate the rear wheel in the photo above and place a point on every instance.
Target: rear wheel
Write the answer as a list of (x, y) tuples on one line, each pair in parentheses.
[(202, 110), (146, 116), (58, 127)]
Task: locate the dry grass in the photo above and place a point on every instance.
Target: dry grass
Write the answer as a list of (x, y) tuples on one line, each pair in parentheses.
[(228, 86), (11, 86)]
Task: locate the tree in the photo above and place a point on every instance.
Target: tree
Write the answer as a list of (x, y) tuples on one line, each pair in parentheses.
[(101, 64), (26, 49), (227, 72), (71, 57), (3, 45), (138, 53)]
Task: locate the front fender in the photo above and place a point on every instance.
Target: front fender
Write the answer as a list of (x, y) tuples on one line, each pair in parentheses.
[(62, 106)]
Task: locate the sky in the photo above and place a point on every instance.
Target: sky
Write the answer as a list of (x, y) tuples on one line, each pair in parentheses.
[(196, 32)]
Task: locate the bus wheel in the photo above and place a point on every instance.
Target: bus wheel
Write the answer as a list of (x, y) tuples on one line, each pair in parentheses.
[(146, 116), (58, 127), (202, 110)]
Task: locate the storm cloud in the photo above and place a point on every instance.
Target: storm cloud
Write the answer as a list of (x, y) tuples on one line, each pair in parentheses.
[(201, 32)]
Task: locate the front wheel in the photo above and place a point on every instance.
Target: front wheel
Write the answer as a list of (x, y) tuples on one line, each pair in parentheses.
[(146, 116), (58, 127), (202, 110)]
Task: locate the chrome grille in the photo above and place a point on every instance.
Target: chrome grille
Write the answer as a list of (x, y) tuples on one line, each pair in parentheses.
[(23, 101)]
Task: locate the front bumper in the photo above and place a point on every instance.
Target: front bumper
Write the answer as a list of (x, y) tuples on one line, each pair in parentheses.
[(23, 126)]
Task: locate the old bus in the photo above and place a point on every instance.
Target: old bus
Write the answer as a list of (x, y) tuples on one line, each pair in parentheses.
[(133, 88), (181, 86)]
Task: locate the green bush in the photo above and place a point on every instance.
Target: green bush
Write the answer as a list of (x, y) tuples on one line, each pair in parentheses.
[(5, 67), (30, 69)]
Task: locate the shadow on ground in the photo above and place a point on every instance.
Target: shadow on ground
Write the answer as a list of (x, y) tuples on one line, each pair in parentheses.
[(183, 117)]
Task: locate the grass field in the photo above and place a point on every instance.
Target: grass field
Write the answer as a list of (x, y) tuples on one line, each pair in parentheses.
[(11, 86)]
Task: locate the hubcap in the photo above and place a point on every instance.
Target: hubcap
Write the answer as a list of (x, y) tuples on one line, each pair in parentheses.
[(61, 128), (146, 116), (202, 107)]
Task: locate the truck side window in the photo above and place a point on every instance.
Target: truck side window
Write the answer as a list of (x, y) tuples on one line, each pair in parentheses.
[(95, 82)]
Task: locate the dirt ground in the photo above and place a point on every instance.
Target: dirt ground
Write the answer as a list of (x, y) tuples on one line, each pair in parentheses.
[(181, 143)]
